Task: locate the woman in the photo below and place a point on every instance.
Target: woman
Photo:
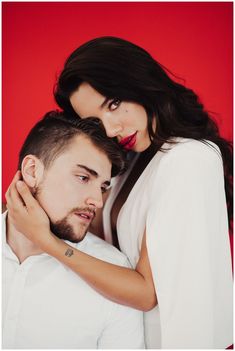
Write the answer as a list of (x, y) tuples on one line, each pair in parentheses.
[(168, 210)]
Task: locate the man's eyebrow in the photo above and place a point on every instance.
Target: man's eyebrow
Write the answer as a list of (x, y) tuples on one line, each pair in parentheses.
[(104, 102), (89, 170), (93, 172)]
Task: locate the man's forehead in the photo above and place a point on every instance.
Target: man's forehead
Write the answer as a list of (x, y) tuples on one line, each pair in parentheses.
[(82, 151), (85, 143)]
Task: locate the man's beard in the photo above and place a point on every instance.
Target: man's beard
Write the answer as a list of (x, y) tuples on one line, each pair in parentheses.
[(61, 228)]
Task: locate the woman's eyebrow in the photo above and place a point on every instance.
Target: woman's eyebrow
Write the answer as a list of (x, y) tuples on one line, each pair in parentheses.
[(104, 103)]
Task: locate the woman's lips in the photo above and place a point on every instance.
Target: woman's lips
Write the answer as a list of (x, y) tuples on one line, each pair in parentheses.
[(129, 141)]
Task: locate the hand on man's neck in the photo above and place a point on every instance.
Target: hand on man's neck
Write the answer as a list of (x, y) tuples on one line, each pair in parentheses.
[(20, 245)]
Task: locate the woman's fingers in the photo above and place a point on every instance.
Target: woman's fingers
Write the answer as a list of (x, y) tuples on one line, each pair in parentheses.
[(25, 212), (12, 197), (19, 195), (14, 200), (17, 177), (26, 195)]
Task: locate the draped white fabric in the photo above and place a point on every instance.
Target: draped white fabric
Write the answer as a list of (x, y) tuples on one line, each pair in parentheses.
[(180, 201)]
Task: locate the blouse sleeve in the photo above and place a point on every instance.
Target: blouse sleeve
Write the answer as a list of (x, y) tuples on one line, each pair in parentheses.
[(188, 247)]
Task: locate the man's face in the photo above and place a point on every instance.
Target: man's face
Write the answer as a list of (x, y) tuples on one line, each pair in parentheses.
[(72, 188)]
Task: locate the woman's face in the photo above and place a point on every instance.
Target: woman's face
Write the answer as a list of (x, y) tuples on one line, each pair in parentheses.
[(125, 120)]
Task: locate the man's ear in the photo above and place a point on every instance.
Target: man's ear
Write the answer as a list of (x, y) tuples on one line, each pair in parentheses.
[(32, 170)]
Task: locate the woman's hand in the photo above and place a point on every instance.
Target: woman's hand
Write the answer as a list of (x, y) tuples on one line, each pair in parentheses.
[(25, 212), (120, 284)]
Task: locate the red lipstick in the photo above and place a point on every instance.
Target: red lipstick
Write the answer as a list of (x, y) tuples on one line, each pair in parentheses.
[(129, 141)]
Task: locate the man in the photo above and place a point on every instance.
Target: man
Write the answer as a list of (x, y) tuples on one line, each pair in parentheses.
[(67, 165)]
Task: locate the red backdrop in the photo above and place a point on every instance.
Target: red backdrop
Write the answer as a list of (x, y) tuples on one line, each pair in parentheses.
[(194, 40)]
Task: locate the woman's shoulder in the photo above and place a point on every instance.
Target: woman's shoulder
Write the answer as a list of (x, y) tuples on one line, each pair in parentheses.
[(186, 157), (184, 162), (191, 150)]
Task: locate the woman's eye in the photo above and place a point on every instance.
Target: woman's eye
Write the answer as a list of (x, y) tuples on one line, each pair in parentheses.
[(113, 105)]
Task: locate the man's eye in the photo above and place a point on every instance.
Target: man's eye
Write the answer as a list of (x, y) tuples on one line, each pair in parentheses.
[(104, 189), (84, 179), (113, 105)]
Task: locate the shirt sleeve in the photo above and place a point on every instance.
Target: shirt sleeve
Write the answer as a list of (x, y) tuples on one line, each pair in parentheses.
[(124, 329), (188, 248)]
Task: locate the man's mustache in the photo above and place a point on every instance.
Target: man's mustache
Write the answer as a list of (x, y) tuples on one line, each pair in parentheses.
[(92, 211)]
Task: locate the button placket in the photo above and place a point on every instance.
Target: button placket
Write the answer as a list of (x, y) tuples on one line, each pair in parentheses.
[(15, 303)]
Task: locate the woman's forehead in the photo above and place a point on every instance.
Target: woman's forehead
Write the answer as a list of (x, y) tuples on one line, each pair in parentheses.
[(86, 101)]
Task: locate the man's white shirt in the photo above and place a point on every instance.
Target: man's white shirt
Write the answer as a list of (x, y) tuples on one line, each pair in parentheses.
[(47, 306)]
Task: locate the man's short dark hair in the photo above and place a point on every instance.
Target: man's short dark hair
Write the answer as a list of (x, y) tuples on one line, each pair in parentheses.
[(55, 131)]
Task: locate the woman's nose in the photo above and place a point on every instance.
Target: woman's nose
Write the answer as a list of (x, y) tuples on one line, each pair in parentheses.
[(112, 126), (113, 132)]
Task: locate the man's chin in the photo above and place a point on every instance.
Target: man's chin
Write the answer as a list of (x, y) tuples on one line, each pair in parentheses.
[(63, 230)]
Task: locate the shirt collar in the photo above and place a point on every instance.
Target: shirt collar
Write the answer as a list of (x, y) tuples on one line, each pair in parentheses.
[(80, 245), (4, 230), (6, 249)]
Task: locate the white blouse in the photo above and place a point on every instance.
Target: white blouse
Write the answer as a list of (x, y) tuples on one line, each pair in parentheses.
[(180, 200)]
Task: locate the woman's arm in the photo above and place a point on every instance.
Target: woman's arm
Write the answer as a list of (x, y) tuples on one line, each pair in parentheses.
[(126, 286), (120, 284)]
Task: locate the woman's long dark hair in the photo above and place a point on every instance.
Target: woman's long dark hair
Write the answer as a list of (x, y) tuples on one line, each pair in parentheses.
[(119, 69)]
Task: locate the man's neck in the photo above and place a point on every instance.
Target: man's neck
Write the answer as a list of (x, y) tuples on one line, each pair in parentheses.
[(20, 245)]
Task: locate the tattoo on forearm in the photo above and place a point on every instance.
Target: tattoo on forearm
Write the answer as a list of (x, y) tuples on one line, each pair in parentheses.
[(69, 252)]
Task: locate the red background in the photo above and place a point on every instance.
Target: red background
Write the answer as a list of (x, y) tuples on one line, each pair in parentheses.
[(194, 40)]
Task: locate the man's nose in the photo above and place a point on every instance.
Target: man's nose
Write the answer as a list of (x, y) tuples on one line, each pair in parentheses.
[(95, 200)]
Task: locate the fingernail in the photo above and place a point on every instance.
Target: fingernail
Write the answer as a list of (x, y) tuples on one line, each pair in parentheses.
[(19, 184)]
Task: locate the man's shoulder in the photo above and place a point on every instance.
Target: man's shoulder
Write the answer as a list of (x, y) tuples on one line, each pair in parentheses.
[(95, 246)]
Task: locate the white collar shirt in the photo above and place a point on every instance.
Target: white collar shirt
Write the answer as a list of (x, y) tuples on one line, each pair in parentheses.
[(47, 306)]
